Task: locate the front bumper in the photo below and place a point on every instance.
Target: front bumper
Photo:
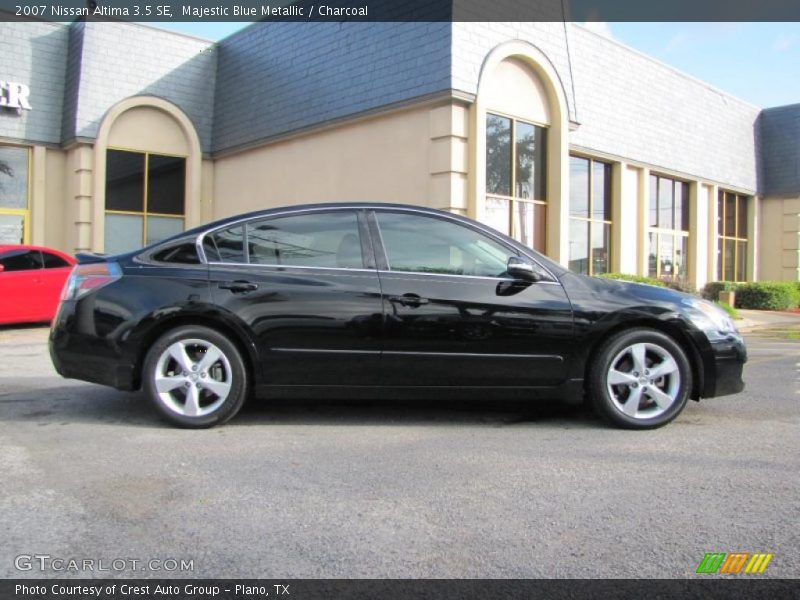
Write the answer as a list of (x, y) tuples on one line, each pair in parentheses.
[(724, 366)]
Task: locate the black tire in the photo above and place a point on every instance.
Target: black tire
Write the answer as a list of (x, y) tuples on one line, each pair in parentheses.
[(212, 406), (618, 352)]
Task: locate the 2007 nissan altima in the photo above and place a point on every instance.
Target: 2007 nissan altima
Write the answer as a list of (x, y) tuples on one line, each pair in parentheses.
[(374, 300)]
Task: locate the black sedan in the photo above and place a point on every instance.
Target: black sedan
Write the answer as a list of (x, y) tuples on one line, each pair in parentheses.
[(343, 300)]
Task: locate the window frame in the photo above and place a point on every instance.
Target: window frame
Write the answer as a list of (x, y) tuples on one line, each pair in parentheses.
[(675, 234), (367, 257), (19, 252), (383, 264), (145, 214), (590, 220), (25, 213), (513, 200), (736, 239)]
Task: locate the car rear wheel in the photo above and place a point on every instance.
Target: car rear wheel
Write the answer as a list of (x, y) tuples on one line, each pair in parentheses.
[(195, 376), (640, 379)]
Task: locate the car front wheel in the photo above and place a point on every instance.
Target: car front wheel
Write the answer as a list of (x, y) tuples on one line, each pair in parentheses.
[(195, 376), (640, 379)]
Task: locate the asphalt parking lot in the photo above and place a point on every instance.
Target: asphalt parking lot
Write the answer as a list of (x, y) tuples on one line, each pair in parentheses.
[(400, 489)]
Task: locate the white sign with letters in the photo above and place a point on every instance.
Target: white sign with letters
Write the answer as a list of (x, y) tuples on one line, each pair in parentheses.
[(14, 95)]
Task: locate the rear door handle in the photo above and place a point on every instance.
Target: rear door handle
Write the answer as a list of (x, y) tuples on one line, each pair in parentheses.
[(238, 287), (411, 300)]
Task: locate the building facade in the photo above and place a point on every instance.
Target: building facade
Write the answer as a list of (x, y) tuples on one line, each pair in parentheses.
[(114, 135)]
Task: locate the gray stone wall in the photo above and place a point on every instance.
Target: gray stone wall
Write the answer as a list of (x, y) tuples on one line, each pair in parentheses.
[(121, 60), (780, 150), (34, 54), (275, 78), (635, 107)]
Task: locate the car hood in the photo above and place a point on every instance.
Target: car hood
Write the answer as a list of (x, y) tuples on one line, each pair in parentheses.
[(616, 293)]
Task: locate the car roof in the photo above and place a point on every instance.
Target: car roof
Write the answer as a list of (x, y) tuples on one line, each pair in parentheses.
[(265, 212)]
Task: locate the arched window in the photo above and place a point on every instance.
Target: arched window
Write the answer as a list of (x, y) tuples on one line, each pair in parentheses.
[(147, 184), (145, 198), (522, 116), (516, 178)]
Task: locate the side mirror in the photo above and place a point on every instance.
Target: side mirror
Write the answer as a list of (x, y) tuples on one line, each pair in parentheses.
[(2, 268), (520, 269)]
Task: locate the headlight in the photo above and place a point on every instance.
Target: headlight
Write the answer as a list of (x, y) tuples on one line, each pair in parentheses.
[(708, 316)]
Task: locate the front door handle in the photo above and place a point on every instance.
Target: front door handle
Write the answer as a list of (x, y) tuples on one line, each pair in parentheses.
[(238, 287), (410, 300)]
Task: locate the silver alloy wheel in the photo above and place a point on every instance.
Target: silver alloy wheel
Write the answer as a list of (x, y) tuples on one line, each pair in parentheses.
[(644, 380), (193, 377)]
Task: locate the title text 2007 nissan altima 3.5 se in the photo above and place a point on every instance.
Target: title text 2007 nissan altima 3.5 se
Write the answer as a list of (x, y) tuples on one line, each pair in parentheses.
[(376, 299)]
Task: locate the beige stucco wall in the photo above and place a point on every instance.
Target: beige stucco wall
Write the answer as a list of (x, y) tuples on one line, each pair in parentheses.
[(512, 88), (55, 226), (779, 251), (385, 158), (148, 129)]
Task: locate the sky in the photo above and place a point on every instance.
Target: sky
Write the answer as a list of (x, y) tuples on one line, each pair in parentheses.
[(757, 62)]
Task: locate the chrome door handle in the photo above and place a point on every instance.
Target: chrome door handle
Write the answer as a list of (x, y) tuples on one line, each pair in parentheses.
[(410, 300), (238, 287)]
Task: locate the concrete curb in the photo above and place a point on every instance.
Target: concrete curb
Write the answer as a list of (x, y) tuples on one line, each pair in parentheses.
[(755, 320)]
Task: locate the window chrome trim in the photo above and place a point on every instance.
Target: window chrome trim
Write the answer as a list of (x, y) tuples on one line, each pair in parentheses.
[(412, 353), (375, 271), (497, 279), (284, 267), (325, 351), (376, 210), (473, 354)]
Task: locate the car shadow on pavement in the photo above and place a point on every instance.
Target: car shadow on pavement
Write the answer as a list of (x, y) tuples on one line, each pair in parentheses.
[(420, 411), (86, 404)]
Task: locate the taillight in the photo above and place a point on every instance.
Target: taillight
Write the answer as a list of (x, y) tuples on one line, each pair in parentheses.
[(85, 278)]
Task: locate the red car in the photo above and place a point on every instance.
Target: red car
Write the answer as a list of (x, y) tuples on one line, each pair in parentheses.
[(31, 280)]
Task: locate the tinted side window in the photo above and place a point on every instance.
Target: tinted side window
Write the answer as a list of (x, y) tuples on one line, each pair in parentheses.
[(184, 254), (311, 240), (21, 260), (424, 244), (51, 261), (226, 245)]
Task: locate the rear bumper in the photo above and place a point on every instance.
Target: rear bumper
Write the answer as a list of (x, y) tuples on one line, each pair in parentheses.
[(724, 366), (85, 356)]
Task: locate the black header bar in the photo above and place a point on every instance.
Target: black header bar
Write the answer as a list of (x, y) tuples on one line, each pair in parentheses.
[(401, 10), (705, 587)]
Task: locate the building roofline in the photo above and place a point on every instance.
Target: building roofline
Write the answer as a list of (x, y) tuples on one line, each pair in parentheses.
[(147, 25), (672, 68)]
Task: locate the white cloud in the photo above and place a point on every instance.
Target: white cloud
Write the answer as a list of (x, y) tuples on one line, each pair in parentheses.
[(676, 41), (600, 27), (783, 42)]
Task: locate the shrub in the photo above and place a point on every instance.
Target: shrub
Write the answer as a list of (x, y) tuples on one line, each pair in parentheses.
[(732, 312), (680, 285), (633, 278), (767, 295), (713, 288)]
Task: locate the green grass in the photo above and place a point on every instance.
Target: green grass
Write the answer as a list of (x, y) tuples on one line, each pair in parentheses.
[(732, 312)]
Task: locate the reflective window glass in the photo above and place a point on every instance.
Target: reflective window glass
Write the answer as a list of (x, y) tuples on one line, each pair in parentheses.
[(327, 239), (498, 155), (429, 245)]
